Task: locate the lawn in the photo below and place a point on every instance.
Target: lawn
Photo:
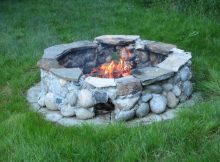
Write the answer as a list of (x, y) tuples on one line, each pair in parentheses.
[(27, 27)]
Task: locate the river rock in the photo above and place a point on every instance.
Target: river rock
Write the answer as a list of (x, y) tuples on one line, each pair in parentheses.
[(85, 98), (67, 110), (72, 98), (125, 115), (154, 88), (41, 101), (172, 101), (167, 87), (146, 97), (50, 101), (125, 104), (158, 103), (100, 97), (187, 88), (82, 113), (142, 110), (176, 90), (185, 73)]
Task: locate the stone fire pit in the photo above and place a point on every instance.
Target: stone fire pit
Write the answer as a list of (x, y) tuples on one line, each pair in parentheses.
[(69, 93)]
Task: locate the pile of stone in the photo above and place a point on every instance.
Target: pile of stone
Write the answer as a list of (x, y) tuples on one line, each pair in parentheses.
[(150, 89)]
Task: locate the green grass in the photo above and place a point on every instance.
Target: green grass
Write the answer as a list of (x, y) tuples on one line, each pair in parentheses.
[(28, 27)]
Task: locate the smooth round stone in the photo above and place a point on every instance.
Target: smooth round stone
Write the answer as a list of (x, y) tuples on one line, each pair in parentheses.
[(158, 103), (125, 115), (67, 110), (142, 110), (176, 91), (126, 103), (85, 98), (187, 88), (146, 97), (63, 82), (84, 114), (155, 88), (185, 73), (171, 100), (167, 87), (72, 98), (50, 101), (41, 101)]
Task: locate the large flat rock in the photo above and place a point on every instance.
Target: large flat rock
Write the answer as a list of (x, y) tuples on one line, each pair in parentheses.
[(117, 39), (71, 74), (160, 48), (174, 61), (128, 85), (47, 64), (150, 75), (100, 82), (55, 51)]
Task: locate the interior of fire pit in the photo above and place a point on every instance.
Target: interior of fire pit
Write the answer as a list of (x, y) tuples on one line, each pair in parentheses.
[(109, 61)]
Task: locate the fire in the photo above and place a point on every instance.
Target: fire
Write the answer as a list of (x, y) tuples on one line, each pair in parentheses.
[(113, 69)]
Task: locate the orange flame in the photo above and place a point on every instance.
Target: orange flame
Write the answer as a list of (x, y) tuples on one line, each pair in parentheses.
[(115, 70)]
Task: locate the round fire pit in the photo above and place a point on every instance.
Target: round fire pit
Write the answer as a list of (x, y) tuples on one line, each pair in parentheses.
[(113, 78)]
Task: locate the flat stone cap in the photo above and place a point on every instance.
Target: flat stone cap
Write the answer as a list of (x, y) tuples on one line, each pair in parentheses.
[(71, 74), (174, 61), (54, 51), (160, 48), (117, 39), (100, 82), (150, 75)]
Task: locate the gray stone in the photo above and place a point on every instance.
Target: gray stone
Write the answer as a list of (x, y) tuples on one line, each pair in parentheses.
[(128, 85), (50, 101), (100, 97), (125, 104), (169, 114), (47, 64), (158, 103), (182, 98), (41, 101), (111, 93), (176, 90), (160, 48), (55, 51), (167, 87), (154, 88), (33, 94), (125, 115), (84, 114), (172, 101), (141, 44), (174, 61), (187, 88), (185, 73), (100, 82), (71, 74), (63, 82), (146, 97), (85, 99), (71, 98), (53, 116), (117, 39), (142, 110), (67, 110), (150, 75)]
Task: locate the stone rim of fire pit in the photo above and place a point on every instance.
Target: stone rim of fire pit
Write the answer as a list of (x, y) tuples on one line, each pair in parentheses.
[(131, 85)]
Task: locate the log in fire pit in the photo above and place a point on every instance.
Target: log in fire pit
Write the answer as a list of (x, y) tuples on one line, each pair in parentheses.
[(113, 78)]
